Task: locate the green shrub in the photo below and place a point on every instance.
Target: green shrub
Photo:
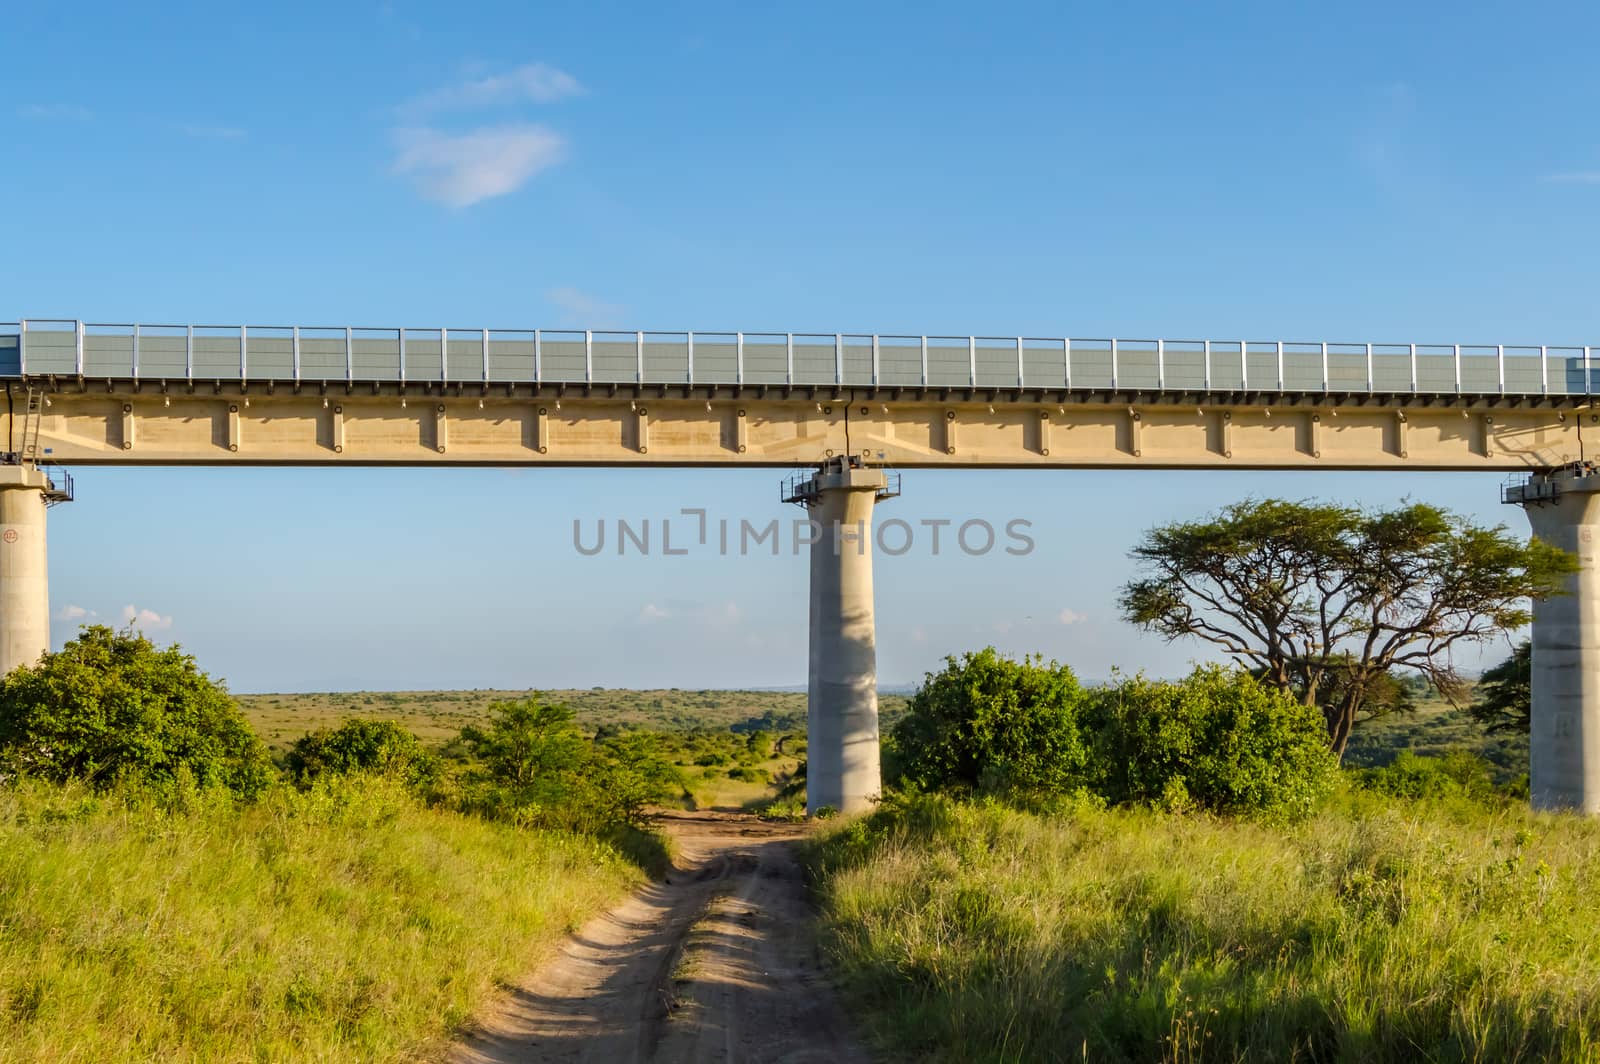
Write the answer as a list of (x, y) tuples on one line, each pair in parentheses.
[(381, 747), (991, 724), (1217, 740), (1455, 774), (111, 705), (536, 767), (634, 772), (1025, 731)]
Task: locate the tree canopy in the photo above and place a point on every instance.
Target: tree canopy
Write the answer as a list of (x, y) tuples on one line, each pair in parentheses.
[(1505, 697), (110, 705), (1323, 600)]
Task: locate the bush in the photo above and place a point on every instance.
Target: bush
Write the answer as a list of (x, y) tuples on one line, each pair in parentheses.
[(634, 772), (990, 724), (1026, 731), (380, 747), (1217, 740), (535, 767), (110, 705), (1455, 774)]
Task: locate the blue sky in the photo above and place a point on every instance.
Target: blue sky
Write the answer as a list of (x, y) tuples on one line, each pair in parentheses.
[(1352, 173)]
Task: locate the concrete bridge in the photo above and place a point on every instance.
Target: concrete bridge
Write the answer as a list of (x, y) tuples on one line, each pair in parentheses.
[(845, 404)]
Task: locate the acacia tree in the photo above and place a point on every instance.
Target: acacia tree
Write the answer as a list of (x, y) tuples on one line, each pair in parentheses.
[(1325, 601), (1505, 693)]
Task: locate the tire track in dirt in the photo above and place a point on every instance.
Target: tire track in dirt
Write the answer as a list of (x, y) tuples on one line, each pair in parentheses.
[(717, 963)]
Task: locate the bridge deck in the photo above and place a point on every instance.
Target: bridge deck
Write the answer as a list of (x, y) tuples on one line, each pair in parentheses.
[(88, 394)]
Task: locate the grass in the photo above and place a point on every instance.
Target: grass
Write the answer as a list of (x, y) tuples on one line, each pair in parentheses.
[(436, 716), (347, 923), (1376, 930)]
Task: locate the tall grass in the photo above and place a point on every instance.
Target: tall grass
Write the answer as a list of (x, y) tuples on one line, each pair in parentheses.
[(1376, 930), (345, 923)]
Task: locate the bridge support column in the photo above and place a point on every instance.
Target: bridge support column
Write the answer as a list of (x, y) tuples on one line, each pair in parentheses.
[(1563, 507), (24, 575), (842, 694)]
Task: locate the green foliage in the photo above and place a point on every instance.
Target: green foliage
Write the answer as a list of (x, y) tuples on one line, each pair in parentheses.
[(991, 724), (1218, 740), (635, 773), (110, 705), (760, 743), (1504, 699), (534, 766), (1455, 774), (1315, 595), (1027, 732), (1374, 931), (380, 747)]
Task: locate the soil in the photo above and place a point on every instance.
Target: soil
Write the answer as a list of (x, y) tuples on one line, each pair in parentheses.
[(717, 963)]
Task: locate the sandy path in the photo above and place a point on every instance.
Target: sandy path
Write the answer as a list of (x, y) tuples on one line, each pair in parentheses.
[(716, 964)]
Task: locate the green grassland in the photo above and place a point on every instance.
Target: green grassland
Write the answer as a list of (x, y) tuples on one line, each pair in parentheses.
[(436, 716), (1379, 930), (345, 923)]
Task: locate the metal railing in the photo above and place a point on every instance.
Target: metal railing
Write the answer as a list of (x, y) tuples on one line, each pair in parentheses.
[(38, 347)]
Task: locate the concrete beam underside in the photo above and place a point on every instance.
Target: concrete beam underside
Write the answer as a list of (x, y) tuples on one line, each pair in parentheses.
[(785, 427)]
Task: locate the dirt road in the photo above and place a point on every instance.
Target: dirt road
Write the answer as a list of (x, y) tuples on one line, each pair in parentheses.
[(716, 964)]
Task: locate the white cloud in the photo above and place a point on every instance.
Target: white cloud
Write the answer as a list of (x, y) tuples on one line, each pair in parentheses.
[(55, 112), (1573, 177), (145, 618), (531, 83), (74, 613), (582, 310), (1071, 617), (462, 169), (652, 612)]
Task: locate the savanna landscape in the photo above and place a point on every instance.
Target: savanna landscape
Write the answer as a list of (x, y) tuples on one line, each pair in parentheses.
[(1289, 856)]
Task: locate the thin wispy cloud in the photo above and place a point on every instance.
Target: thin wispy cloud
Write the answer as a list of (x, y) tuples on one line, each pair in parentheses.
[(579, 309), (1070, 616), (530, 83), (1573, 177), (717, 616), (205, 131), (459, 170), (75, 613), (54, 112)]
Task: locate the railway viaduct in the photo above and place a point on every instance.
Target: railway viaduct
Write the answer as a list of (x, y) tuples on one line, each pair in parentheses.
[(848, 407)]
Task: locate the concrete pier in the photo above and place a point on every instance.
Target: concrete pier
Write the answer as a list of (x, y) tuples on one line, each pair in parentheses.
[(24, 574), (842, 694), (1563, 506)]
